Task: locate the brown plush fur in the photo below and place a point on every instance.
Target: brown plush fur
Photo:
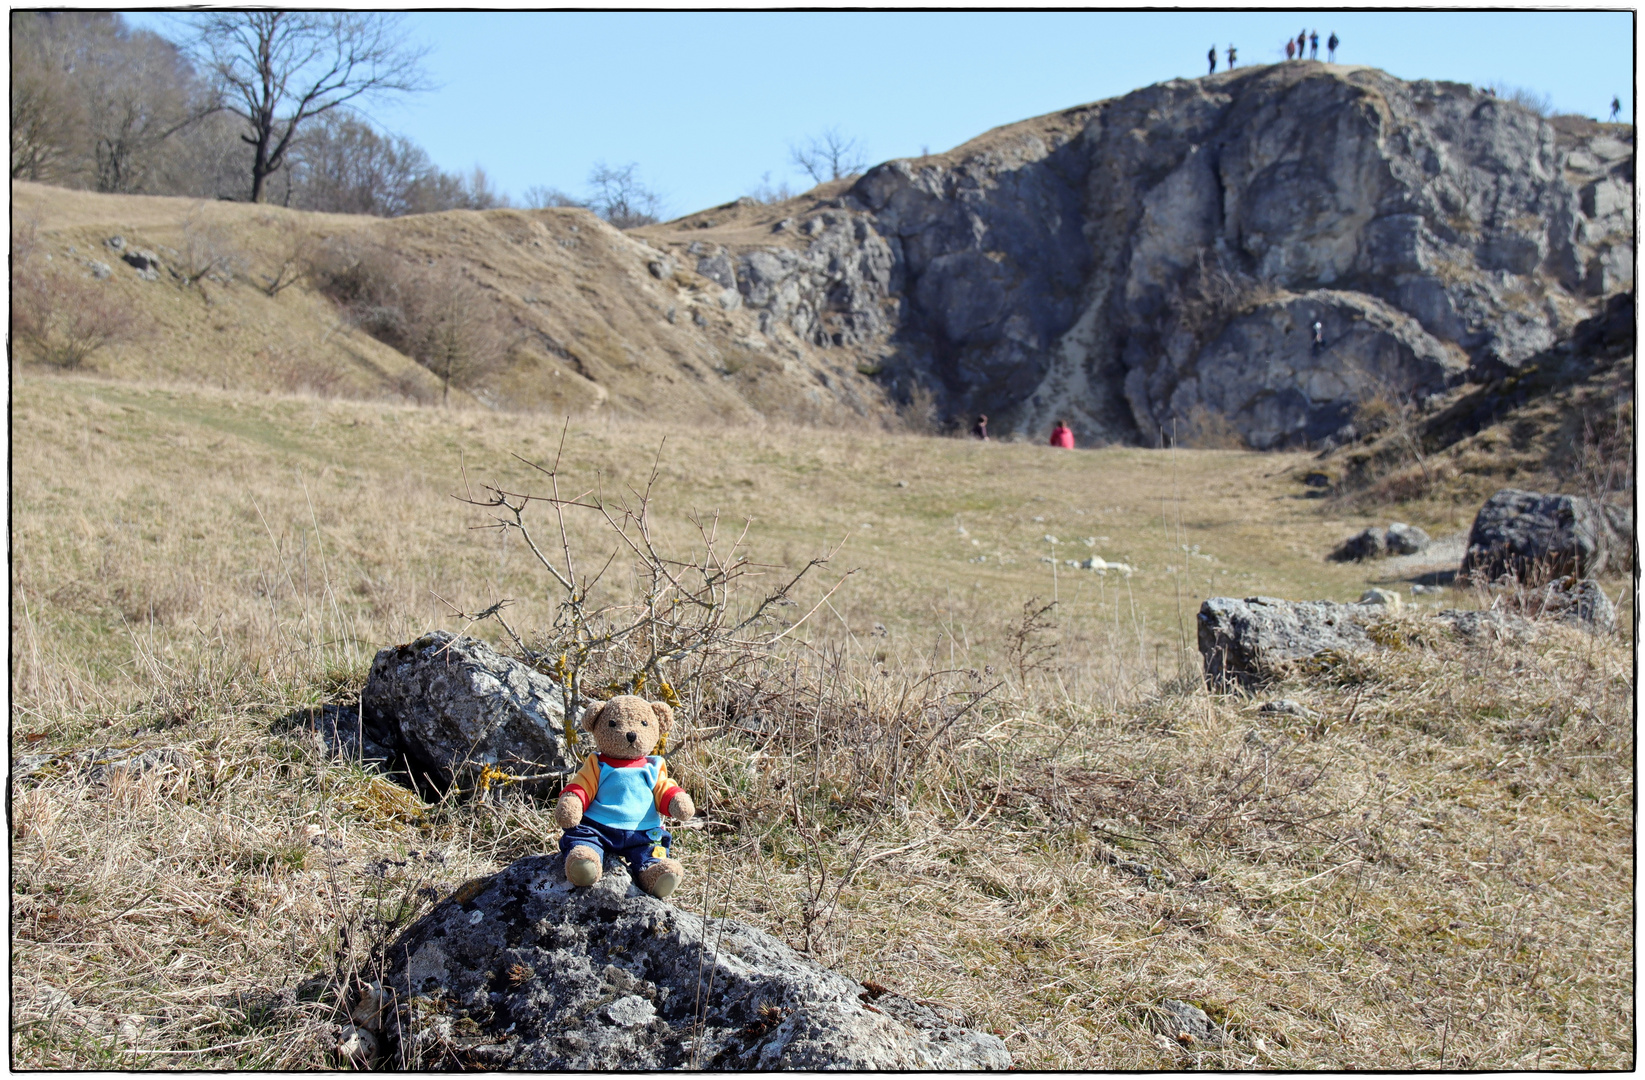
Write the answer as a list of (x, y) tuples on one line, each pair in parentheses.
[(625, 727)]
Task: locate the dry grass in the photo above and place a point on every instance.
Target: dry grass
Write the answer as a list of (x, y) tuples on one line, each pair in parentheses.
[(1435, 871)]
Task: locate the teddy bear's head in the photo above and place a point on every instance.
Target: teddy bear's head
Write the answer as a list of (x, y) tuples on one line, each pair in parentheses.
[(627, 726)]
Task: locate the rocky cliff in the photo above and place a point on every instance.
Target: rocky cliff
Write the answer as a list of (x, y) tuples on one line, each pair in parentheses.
[(1156, 263)]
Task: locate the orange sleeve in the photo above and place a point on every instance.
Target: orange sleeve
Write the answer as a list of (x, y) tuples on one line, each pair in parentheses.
[(586, 784), (665, 789)]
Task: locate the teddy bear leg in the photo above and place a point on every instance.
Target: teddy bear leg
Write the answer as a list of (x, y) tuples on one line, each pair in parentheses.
[(582, 865), (662, 877)]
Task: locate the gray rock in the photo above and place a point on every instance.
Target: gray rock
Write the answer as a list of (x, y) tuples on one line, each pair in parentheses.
[(1191, 1020), (98, 764), (146, 263), (1244, 643), (1361, 546), (1526, 534), (661, 269), (524, 971), (1475, 626), (718, 269), (1286, 707), (1579, 601), (1403, 539), (115, 243), (1380, 598), (99, 270), (451, 705)]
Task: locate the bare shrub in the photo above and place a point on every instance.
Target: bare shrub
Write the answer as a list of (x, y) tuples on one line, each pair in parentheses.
[(293, 258), (209, 251), (63, 316), (1208, 429), (433, 314)]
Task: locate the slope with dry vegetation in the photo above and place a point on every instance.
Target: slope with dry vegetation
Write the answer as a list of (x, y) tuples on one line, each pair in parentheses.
[(531, 310), (1038, 816)]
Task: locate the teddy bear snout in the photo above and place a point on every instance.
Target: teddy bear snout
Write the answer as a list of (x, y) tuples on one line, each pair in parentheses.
[(633, 735)]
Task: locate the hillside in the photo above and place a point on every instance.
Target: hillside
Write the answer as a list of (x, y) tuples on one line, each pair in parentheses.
[(592, 318), (1149, 267)]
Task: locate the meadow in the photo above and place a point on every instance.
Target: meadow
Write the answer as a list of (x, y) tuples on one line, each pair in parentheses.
[(1434, 869)]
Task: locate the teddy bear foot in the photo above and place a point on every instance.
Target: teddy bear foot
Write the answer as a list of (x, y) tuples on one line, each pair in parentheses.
[(582, 866), (662, 877)]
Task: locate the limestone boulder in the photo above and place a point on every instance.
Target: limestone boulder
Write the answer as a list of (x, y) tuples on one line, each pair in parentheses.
[(524, 971), (1245, 643), (452, 706), (1527, 533)]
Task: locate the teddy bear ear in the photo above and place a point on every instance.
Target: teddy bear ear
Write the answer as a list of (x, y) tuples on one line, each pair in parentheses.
[(591, 715), (665, 716)]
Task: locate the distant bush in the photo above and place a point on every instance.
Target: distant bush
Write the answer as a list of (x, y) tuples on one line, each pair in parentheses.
[(62, 316), (432, 313), (1539, 103)]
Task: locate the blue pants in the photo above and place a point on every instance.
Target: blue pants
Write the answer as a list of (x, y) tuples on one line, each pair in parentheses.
[(636, 846)]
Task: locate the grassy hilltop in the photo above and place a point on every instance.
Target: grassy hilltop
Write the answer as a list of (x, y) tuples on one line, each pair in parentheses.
[(1434, 870)]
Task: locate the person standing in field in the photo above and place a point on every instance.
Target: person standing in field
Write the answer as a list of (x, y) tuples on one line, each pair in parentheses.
[(1331, 47), (979, 430), (1233, 54), (1062, 437), (1212, 56), (1313, 45)]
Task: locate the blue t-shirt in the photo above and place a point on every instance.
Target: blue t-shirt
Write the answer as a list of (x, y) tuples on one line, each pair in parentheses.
[(626, 798)]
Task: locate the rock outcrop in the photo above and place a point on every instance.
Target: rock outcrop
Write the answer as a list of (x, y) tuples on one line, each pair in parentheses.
[(1526, 533), (451, 706), (1245, 643), (524, 971), (1273, 245)]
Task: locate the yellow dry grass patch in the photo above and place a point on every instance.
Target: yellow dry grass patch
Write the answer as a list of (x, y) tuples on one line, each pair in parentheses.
[(1435, 870)]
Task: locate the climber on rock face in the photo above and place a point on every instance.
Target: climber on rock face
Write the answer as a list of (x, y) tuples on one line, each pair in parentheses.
[(1616, 108), (1302, 42), (1331, 47), (1233, 55), (1212, 56), (1289, 48), (1319, 336), (1313, 45)]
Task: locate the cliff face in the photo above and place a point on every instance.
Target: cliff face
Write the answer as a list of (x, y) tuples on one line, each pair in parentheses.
[(1156, 263)]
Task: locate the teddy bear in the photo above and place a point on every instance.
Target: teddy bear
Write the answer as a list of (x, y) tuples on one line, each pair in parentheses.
[(614, 805)]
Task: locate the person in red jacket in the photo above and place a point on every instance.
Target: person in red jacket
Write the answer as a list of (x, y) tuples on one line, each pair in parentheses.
[(1062, 437)]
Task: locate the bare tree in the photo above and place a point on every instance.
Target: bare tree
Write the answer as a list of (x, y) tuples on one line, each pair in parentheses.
[(621, 198), (455, 330), (278, 69), (829, 156), (541, 197)]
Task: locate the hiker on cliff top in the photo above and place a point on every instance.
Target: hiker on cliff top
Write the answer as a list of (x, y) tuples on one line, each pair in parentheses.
[(1331, 47), (1212, 56), (1290, 47), (1302, 43), (1616, 107), (979, 430), (1233, 55), (1061, 437), (1313, 45)]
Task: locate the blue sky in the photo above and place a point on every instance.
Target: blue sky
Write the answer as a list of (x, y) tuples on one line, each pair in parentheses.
[(706, 103)]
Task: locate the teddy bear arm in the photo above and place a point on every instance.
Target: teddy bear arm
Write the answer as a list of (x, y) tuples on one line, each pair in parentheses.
[(682, 807)]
